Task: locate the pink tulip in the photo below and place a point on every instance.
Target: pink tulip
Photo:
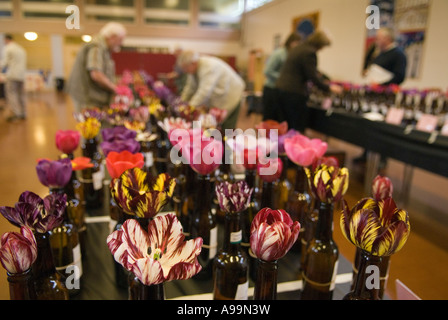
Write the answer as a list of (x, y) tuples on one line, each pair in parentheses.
[(158, 254), (304, 151), (272, 234), (67, 140), (18, 251)]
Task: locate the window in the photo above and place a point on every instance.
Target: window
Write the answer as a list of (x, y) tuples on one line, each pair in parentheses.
[(221, 14), (254, 4), (174, 12), (110, 10), (5, 9), (45, 9)]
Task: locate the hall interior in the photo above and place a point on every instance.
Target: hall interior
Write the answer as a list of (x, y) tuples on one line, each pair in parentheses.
[(420, 265)]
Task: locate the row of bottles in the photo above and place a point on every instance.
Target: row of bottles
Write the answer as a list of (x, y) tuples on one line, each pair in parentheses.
[(367, 99)]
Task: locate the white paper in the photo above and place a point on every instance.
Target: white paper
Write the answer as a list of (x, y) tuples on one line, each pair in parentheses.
[(377, 74)]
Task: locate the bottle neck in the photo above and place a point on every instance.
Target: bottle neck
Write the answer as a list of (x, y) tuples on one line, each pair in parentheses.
[(204, 195), (301, 184), (367, 287), (44, 264), (21, 286), (285, 161), (250, 178), (267, 195), (232, 233), (324, 227), (90, 148), (266, 284)]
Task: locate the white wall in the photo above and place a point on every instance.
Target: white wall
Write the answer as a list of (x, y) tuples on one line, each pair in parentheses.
[(345, 21)]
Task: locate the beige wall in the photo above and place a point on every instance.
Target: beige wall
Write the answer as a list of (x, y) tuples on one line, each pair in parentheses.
[(345, 20)]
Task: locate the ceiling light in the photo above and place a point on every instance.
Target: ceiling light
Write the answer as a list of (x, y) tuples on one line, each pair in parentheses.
[(86, 38), (31, 36)]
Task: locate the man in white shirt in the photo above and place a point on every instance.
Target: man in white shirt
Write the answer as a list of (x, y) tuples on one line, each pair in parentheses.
[(211, 82), (14, 60)]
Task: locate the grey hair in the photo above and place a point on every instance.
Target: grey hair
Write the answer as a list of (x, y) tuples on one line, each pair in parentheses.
[(186, 57), (113, 29)]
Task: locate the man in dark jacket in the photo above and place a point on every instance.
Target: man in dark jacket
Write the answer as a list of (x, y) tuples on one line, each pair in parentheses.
[(299, 69)]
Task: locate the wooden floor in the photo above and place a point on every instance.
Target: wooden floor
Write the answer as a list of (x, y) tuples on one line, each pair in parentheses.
[(421, 264)]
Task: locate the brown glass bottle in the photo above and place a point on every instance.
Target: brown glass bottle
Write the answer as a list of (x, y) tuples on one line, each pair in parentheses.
[(139, 291), (383, 267), (230, 266), (365, 287), (282, 187), (247, 217), (47, 281), (188, 200), (76, 210), (321, 262), (21, 286), (92, 178), (266, 280), (179, 192), (299, 205), (64, 241), (203, 224)]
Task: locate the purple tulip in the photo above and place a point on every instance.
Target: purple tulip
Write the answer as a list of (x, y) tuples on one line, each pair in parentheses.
[(130, 145), (54, 174), (40, 215), (117, 133), (233, 198)]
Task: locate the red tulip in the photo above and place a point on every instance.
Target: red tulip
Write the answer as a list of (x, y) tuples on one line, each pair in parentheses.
[(117, 163), (382, 188), (270, 170), (81, 163), (268, 125), (67, 140), (18, 251), (272, 234)]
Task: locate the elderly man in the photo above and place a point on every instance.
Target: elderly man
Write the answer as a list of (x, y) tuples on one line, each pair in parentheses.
[(91, 83), (211, 82), (390, 57), (14, 60)]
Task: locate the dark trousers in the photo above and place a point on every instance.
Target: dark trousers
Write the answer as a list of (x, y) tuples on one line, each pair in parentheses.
[(271, 111), (295, 109)]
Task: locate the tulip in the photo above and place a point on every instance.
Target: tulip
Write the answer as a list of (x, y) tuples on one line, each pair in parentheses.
[(233, 198), (158, 254), (131, 145), (117, 133), (81, 163), (377, 227), (18, 251), (135, 125), (304, 151), (117, 163), (89, 128), (219, 114), (169, 124), (328, 184), (139, 194), (140, 114), (268, 125), (54, 174), (272, 234), (67, 140), (206, 158), (281, 140), (270, 170), (41, 215), (382, 188)]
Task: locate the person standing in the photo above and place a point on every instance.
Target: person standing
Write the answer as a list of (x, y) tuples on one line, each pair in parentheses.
[(299, 69), (92, 80), (211, 82), (14, 60), (272, 71), (390, 57)]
